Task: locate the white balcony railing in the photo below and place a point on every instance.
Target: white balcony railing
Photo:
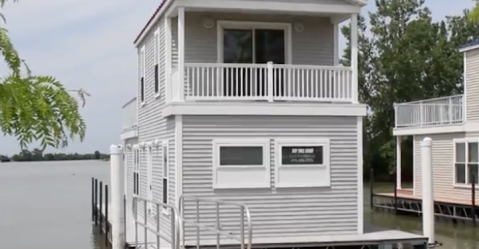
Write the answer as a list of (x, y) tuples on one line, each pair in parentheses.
[(129, 113), (430, 112), (270, 82)]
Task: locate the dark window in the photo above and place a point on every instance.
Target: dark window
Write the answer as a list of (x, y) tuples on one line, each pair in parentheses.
[(136, 183), (165, 191), (142, 89), (292, 155), (253, 46), (157, 86), (244, 155)]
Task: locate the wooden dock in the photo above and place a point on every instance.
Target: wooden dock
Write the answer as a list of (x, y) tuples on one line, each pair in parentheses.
[(403, 201)]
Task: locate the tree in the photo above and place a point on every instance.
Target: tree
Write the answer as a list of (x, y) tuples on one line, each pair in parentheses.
[(33, 107), (473, 16), (97, 154), (408, 57)]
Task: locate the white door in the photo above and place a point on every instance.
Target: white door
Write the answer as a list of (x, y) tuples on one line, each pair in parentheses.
[(149, 183)]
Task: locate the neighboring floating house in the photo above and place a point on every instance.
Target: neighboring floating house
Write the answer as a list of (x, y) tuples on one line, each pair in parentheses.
[(245, 101), (453, 124)]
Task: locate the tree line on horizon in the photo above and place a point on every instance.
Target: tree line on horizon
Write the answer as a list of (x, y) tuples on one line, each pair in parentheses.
[(38, 155), (404, 55)]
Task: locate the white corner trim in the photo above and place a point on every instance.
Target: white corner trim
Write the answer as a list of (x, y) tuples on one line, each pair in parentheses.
[(469, 48), (221, 25), (336, 44), (178, 159), (241, 176), (414, 165), (266, 108), (360, 176), (270, 6), (302, 171)]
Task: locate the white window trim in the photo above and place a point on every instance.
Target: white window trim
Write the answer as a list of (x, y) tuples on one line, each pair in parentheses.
[(287, 27), (149, 180), (326, 166), (264, 169), (143, 75), (465, 141), (157, 57), (165, 175)]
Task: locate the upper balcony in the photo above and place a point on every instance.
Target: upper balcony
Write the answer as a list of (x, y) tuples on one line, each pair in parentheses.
[(130, 119), (267, 82), (430, 112), (259, 58)]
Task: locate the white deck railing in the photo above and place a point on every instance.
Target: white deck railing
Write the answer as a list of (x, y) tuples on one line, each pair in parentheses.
[(271, 82), (129, 113), (430, 112)]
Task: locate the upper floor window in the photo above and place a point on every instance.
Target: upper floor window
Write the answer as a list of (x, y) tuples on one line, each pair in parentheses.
[(142, 74), (156, 55)]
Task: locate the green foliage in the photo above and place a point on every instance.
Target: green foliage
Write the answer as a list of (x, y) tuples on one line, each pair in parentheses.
[(38, 155), (406, 57), (36, 108)]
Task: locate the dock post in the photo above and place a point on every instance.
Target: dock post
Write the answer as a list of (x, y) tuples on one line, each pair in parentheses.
[(371, 188), (473, 197), (93, 199), (100, 211), (395, 194), (96, 201), (106, 215), (117, 198), (427, 190)]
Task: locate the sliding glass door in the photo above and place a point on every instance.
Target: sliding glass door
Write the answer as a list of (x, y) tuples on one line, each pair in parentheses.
[(252, 46)]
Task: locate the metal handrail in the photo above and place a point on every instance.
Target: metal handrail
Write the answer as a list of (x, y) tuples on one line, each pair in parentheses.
[(217, 228), (176, 224)]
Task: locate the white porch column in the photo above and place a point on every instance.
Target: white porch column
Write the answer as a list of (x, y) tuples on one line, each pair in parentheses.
[(118, 236), (427, 190), (181, 52), (354, 56), (168, 47), (398, 162), (336, 43)]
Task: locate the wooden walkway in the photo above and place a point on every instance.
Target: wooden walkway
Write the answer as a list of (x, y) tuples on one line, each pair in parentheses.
[(409, 194)]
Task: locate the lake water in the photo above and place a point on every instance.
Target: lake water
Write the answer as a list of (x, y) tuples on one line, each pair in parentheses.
[(47, 205)]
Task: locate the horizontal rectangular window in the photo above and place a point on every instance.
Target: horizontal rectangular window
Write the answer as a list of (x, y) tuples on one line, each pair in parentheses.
[(241, 155), (302, 162), (241, 163), (299, 155)]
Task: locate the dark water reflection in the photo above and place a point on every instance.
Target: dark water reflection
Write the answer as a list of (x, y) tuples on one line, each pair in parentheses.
[(47, 205)]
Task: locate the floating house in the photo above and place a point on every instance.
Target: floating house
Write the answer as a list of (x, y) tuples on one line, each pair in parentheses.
[(244, 119), (452, 123)]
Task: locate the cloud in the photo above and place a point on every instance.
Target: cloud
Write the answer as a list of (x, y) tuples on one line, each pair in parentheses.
[(84, 44)]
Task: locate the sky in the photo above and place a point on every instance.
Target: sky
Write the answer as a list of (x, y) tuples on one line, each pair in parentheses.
[(89, 45)]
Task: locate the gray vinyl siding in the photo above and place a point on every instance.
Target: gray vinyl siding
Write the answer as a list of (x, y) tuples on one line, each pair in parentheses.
[(313, 46), (472, 85), (443, 166), (275, 212), (152, 126)]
